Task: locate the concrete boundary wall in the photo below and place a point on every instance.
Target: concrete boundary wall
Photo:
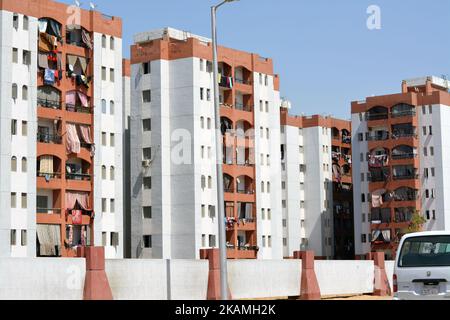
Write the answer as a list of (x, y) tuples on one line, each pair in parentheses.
[(389, 266), (41, 279), (337, 277), (63, 279), (264, 278), (158, 279)]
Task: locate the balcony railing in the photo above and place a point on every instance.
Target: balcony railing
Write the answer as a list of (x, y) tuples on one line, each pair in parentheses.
[(405, 176), (49, 138), (78, 108), (376, 116), (404, 156), (382, 137), (242, 81), (78, 176), (404, 134), (51, 104), (403, 113), (242, 107), (48, 210), (49, 175), (245, 191)]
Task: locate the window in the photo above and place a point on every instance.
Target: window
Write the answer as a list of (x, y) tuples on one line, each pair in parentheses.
[(269, 241), (267, 133), (431, 151), (268, 187), (104, 239), (114, 239), (112, 207), (147, 124), (427, 193), (24, 93), (13, 200), (203, 182), (111, 75), (263, 214), (283, 185), (25, 23), (208, 123), (13, 237), (430, 130), (24, 164), (147, 183), (111, 107), (103, 138), (203, 211), (266, 80), (363, 197), (208, 94), (212, 240), (24, 128), (203, 240), (363, 238), (202, 152), (111, 139), (146, 67), (283, 203), (262, 186), (212, 211), (147, 241), (269, 214), (425, 151), (111, 43), (111, 173), (430, 109), (15, 21), (15, 55), (104, 106), (432, 172), (201, 93), (264, 241), (261, 105), (104, 73), (209, 182), (13, 127), (103, 41), (434, 214), (360, 137), (268, 160), (424, 110), (104, 205), (147, 153), (146, 96), (26, 57), (202, 67), (13, 164), (425, 172), (104, 172), (363, 218), (147, 212), (267, 106), (14, 91), (427, 214), (424, 130), (284, 242), (260, 78), (209, 66), (23, 238), (23, 200)]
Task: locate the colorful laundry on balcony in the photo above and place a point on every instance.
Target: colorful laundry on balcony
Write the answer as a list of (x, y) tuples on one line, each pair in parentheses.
[(49, 76)]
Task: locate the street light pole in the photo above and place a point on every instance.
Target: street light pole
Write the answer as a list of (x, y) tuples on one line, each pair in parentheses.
[(219, 160)]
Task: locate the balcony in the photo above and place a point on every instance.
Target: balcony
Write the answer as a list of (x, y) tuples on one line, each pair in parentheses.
[(406, 113), (242, 81), (401, 156), (405, 177), (378, 136), (241, 252), (50, 104), (52, 211), (48, 138), (376, 116), (78, 176), (78, 108)]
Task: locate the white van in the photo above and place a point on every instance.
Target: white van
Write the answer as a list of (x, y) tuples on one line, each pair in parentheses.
[(422, 267)]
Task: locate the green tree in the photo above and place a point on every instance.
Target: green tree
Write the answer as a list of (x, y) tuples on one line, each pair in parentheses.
[(417, 222)]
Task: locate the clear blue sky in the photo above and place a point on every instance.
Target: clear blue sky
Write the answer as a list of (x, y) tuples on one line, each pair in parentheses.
[(322, 49)]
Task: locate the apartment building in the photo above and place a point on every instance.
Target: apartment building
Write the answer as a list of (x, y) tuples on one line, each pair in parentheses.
[(400, 163), (316, 185), (173, 151), (61, 124)]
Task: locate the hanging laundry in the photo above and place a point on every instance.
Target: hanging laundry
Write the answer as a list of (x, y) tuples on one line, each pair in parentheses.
[(49, 76), (77, 217)]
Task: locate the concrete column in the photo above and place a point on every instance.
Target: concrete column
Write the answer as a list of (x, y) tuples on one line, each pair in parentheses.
[(213, 256), (404, 87), (381, 283), (309, 287), (96, 285)]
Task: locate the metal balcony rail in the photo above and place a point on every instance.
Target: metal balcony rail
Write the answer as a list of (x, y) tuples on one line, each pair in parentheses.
[(403, 113), (48, 210), (78, 176), (49, 175), (404, 156), (48, 138), (376, 116), (405, 176), (78, 108), (51, 104)]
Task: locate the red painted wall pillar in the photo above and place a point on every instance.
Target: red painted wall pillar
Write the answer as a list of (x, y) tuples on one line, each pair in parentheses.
[(381, 283), (96, 285), (309, 287), (213, 256)]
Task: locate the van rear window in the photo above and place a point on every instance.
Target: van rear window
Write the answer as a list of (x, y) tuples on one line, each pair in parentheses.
[(425, 251)]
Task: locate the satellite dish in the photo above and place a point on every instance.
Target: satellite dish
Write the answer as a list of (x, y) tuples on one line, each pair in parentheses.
[(78, 3), (92, 5)]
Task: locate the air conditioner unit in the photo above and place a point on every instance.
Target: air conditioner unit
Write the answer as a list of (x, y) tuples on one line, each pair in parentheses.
[(146, 163)]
